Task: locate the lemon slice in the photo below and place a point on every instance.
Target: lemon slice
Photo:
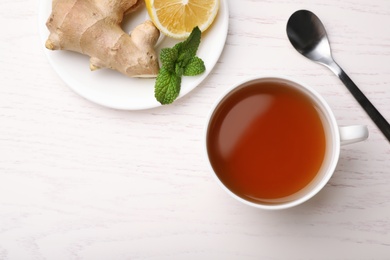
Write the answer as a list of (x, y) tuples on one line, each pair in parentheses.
[(177, 18)]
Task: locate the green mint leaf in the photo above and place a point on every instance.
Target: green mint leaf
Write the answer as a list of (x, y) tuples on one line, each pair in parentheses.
[(187, 49), (168, 58), (194, 67), (191, 45), (178, 61), (167, 86)]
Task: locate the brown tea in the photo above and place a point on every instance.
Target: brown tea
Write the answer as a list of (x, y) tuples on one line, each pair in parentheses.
[(266, 141)]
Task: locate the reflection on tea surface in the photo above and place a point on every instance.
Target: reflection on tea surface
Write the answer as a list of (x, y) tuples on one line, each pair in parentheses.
[(253, 107)]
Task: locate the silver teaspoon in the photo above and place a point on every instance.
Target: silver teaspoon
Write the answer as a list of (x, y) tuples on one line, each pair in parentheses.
[(308, 36)]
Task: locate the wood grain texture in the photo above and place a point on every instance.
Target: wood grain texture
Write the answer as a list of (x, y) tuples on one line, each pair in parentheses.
[(80, 181)]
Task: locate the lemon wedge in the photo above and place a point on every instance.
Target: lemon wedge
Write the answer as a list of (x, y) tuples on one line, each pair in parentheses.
[(177, 18)]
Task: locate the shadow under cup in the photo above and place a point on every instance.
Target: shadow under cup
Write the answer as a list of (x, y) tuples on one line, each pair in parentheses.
[(272, 143)]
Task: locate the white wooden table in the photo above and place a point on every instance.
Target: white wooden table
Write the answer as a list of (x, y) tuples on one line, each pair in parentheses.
[(82, 181)]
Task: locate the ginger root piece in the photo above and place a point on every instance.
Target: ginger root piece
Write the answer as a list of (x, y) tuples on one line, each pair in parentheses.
[(93, 28)]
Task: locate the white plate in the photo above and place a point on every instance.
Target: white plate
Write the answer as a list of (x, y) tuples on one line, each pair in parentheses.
[(112, 89)]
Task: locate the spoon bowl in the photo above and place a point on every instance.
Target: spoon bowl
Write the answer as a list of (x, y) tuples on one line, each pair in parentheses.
[(308, 36)]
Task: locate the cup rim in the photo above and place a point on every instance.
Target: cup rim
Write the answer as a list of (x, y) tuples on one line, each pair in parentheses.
[(332, 122)]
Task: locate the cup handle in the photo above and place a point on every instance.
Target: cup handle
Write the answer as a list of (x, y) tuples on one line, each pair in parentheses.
[(353, 134)]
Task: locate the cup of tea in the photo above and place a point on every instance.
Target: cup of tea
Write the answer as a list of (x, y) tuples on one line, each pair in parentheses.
[(273, 143)]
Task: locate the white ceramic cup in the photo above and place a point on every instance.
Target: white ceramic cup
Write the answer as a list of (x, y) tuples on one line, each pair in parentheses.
[(334, 135)]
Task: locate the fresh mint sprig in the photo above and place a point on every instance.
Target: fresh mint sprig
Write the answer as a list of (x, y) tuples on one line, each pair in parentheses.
[(178, 61)]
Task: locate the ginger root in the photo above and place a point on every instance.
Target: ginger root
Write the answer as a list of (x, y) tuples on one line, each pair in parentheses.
[(93, 28)]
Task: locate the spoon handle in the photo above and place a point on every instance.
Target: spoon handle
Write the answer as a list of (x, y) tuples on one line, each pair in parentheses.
[(375, 115)]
